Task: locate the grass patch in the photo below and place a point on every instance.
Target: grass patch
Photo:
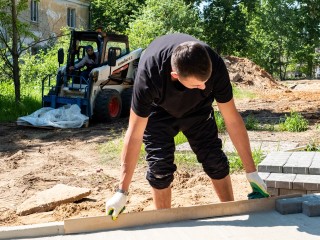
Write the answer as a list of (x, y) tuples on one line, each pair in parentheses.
[(235, 161), (220, 122), (313, 146), (30, 101), (239, 93), (294, 123), (180, 138), (111, 150)]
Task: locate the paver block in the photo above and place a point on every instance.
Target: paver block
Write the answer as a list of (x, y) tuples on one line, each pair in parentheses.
[(294, 205), (311, 208), (280, 180), (315, 165), (274, 162), (307, 182), (273, 192), (263, 175), (299, 162), (283, 191), (311, 192), (289, 205)]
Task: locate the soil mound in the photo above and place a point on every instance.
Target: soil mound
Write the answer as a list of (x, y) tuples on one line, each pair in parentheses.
[(245, 73)]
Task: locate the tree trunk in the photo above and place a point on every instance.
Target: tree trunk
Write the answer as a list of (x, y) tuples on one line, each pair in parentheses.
[(15, 53)]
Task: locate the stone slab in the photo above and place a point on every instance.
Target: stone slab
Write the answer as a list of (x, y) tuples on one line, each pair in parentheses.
[(299, 162), (289, 205), (280, 180), (263, 175), (283, 191), (314, 168), (274, 162), (48, 199), (311, 208), (273, 192), (294, 205), (307, 182)]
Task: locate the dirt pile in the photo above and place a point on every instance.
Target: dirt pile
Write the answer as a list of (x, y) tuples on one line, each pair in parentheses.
[(245, 73)]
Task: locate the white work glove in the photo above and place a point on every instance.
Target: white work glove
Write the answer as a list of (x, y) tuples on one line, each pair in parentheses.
[(115, 205), (258, 186)]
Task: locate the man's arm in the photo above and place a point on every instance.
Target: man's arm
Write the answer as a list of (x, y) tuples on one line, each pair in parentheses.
[(239, 137), (131, 148), (129, 158), (238, 133)]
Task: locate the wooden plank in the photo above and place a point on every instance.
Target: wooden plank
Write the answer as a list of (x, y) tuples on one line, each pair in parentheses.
[(136, 219)]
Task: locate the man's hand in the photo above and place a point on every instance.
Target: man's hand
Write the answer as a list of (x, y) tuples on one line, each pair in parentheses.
[(115, 205), (258, 186)]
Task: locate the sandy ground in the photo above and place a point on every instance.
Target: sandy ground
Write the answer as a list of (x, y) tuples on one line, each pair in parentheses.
[(34, 159)]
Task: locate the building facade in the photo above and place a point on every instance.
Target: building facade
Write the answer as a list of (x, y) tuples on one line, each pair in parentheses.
[(48, 17)]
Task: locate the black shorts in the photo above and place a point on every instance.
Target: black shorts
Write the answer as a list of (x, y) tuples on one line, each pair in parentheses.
[(201, 131)]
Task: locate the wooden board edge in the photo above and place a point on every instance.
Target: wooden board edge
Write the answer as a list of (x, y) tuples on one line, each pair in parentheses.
[(136, 219)]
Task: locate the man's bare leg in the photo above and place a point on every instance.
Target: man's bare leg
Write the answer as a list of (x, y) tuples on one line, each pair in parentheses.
[(161, 198), (223, 188)]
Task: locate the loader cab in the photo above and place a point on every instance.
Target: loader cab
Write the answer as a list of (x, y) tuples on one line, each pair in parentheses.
[(101, 43)]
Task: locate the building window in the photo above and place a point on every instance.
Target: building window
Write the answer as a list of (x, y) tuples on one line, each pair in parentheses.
[(34, 11), (71, 17)]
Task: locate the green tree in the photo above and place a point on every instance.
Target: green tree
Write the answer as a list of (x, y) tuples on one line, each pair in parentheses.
[(225, 24), (308, 25), (158, 18), (114, 16), (12, 33)]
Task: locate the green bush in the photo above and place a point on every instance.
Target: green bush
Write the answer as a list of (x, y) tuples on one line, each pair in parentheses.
[(251, 123), (294, 123)]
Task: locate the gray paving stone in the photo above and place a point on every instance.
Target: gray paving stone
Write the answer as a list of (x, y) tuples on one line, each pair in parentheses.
[(307, 182), (273, 192), (294, 205), (299, 162), (283, 191), (274, 162), (311, 208), (263, 175), (311, 192), (289, 205), (315, 165), (280, 180)]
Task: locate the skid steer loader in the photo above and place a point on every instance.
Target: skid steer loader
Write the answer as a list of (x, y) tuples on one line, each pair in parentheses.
[(106, 94)]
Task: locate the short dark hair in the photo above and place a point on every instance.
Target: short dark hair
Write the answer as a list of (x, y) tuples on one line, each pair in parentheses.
[(89, 47), (191, 59)]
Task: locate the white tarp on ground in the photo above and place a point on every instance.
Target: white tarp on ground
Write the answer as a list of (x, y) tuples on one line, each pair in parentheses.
[(68, 116)]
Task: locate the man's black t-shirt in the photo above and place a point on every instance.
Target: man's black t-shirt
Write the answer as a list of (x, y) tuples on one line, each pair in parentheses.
[(154, 87)]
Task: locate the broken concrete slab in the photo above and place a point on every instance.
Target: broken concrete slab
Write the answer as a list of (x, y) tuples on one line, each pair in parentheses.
[(48, 199)]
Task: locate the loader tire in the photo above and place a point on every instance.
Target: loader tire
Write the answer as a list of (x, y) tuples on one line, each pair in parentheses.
[(108, 105), (126, 97)]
